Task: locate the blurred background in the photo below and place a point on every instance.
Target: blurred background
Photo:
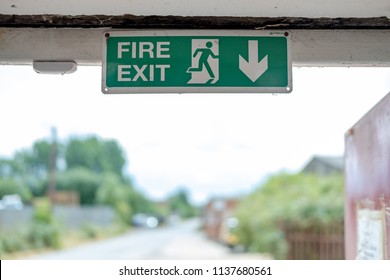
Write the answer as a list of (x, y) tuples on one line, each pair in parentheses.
[(165, 176)]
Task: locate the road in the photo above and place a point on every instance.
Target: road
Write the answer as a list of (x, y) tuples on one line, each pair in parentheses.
[(181, 242)]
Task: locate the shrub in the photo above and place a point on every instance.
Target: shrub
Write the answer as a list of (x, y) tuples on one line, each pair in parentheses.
[(34, 236), (41, 235), (43, 211), (306, 201), (13, 242), (90, 231)]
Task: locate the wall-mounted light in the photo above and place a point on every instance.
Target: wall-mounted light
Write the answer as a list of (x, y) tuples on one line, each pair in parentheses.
[(54, 67)]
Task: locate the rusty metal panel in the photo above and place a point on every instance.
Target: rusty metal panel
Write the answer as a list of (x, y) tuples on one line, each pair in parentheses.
[(367, 183)]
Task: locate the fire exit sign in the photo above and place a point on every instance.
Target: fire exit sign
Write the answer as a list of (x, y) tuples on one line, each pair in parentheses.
[(202, 61)]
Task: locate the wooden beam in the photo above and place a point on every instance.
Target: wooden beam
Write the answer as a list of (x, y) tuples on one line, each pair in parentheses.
[(189, 22)]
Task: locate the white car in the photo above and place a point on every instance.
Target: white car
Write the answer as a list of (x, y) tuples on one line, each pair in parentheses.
[(145, 221), (11, 201)]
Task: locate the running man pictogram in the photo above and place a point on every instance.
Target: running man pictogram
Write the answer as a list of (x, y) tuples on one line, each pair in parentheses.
[(204, 68)]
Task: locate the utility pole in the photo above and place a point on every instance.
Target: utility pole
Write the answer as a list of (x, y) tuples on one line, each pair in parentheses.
[(52, 166)]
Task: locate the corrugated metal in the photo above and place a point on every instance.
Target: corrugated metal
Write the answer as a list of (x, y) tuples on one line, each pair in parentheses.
[(367, 177)]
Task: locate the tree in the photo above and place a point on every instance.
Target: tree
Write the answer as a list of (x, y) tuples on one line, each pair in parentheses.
[(93, 168), (180, 204), (122, 196), (40, 157), (10, 186), (95, 154), (28, 166), (114, 155), (9, 168), (83, 181), (35, 160)]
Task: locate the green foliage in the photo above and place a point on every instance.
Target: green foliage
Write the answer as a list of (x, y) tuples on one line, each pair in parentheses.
[(42, 235), (95, 154), (44, 231), (10, 186), (93, 168), (81, 180), (87, 160), (29, 166), (124, 211), (34, 236), (40, 157), (90, 231), (115, 193), (123, 197), (180, 204), (299, 199), (42, 211), (112, 189), (9, 168), (140, 204), (13, 242), (35, 160)]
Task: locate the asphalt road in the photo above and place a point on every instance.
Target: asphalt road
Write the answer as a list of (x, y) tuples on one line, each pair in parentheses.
[(183, 241)]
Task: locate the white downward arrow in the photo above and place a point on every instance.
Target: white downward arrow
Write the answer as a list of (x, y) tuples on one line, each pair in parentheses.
[(253, 68)]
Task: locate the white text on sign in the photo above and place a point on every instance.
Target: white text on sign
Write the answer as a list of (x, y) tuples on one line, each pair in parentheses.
[(140, 50)]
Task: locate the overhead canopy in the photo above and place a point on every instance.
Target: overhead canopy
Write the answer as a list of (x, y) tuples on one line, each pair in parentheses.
[(239, 8), (324, 33)]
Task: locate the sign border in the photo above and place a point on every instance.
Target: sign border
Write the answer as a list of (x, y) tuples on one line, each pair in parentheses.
[(203, 89)]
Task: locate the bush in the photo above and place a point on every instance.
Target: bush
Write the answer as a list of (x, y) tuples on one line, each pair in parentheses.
[(41, 235), (81, 180), (44, 232), (35, 236), (90, 231), (307, 201), (13, 242), (43, 211), (123, 211)]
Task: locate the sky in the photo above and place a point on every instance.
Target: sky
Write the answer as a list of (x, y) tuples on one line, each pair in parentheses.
[(212, 144)]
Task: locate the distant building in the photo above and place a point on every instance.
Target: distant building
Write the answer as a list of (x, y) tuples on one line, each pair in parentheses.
[(324, 165), (66, 198), (218, 215)]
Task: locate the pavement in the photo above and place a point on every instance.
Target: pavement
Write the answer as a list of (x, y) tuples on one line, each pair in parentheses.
[(183, 241)]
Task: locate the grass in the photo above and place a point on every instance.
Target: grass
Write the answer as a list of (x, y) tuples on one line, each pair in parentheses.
[(71, 238)]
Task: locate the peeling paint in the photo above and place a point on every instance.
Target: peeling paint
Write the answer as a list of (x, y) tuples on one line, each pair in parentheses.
[(370, 235), (190, 22)]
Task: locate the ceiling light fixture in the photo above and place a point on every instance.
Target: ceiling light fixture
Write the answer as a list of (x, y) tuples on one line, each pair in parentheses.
[(54, 67)]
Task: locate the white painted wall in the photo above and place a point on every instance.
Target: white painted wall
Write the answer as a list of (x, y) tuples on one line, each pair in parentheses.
[(256, 8), (309, 47)]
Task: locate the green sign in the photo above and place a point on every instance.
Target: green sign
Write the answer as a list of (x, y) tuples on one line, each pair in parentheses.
[(196, 61)]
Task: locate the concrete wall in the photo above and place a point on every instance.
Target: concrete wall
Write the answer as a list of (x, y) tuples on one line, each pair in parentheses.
[(270, 8), (69, 216)]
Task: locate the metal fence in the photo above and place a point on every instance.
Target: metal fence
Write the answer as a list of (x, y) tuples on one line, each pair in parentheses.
[(322, 243), (69, 216)]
